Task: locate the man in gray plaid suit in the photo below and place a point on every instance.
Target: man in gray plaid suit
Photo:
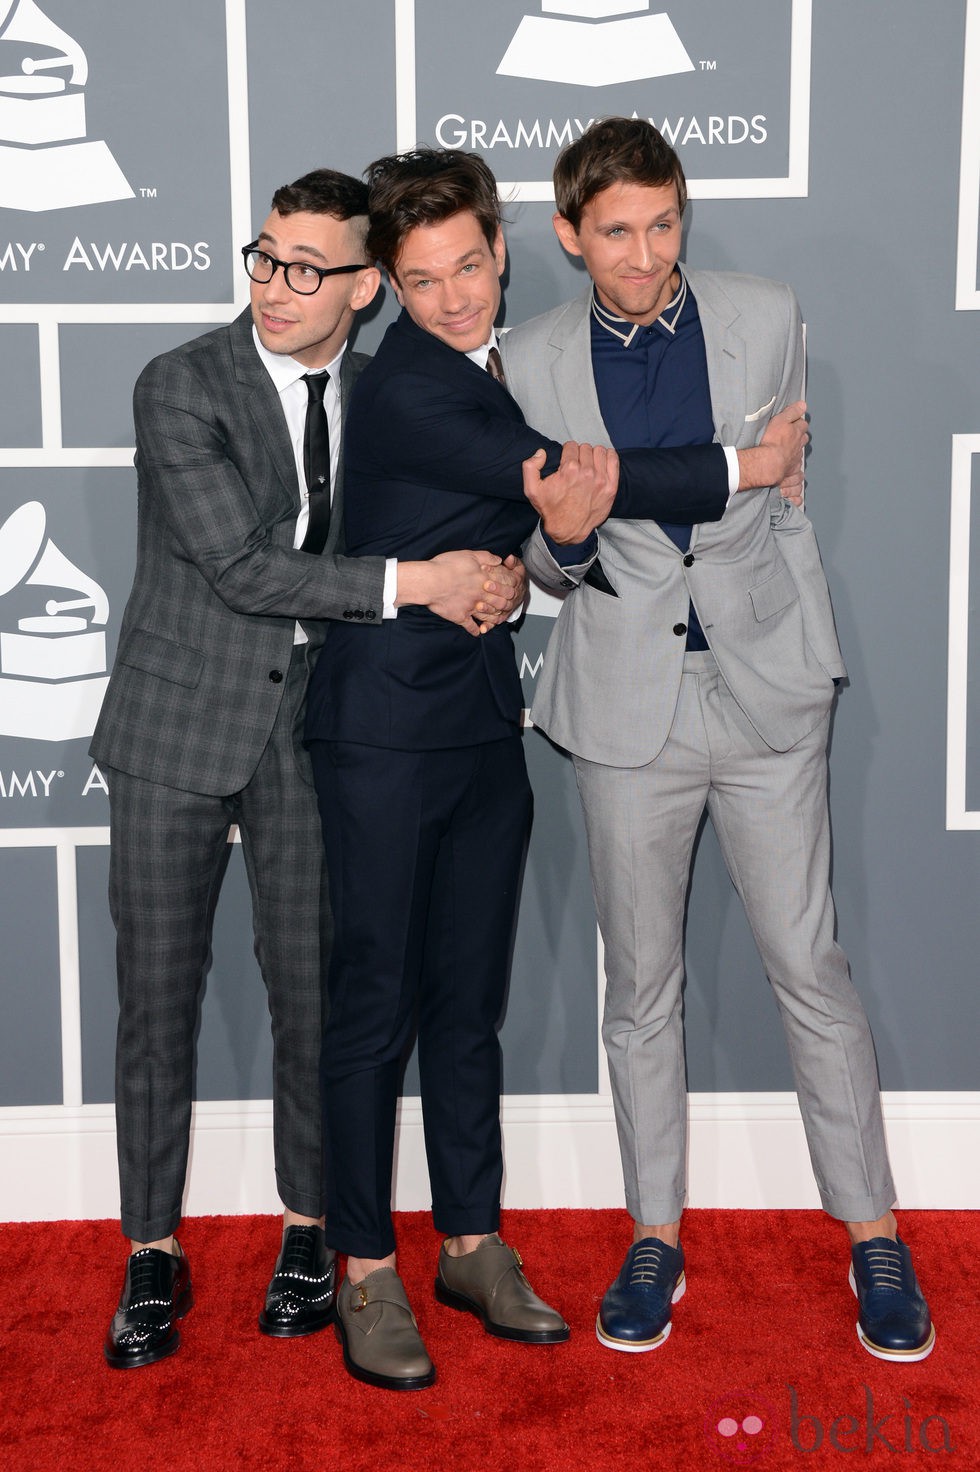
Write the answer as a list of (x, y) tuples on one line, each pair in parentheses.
[(200, 726)]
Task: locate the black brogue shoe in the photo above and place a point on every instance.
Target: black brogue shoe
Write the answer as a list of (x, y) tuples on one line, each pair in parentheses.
[(156, 1293), (300, 1296)]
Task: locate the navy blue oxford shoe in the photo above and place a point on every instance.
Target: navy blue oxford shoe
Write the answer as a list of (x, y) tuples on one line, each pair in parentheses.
[(893, 1317), (635, 1313)]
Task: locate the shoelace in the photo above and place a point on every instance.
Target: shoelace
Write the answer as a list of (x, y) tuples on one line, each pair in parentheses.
[(299, 1257), (144, 1280), (884, 1265), (646, 1265)]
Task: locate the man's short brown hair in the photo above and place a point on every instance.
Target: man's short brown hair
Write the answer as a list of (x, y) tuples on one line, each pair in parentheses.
[(614, 151), (425, 187)]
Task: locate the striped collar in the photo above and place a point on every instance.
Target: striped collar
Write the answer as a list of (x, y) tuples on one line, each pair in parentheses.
[(627, 331)]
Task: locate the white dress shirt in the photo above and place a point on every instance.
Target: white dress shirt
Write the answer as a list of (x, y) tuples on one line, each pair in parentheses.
[(287, 376)]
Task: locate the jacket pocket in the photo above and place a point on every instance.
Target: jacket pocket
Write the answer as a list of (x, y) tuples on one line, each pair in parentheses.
[(773, 595), (596, 578), (157, 656), (760, 413)]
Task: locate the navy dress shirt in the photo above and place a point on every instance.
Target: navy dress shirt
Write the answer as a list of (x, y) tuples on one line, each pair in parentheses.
[(652, 385)]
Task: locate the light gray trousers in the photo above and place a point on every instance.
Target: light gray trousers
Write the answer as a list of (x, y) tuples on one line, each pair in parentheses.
[(769, 811)]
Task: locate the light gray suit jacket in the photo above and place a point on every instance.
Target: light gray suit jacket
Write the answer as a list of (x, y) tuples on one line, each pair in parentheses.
[(612, 671), (207, 635)]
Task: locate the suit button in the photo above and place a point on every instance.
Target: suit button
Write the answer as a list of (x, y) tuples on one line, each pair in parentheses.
[(689, 560), (567, 583), (370, 613), (347, 613), (358, 613), (275, 676), (680, 629)]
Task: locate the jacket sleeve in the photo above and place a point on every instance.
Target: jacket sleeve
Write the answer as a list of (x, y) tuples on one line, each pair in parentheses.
[(793, 531), (193, 476), (545, 571), (450, 440)]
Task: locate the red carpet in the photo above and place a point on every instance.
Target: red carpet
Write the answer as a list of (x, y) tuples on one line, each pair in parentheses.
[(759, 1334)]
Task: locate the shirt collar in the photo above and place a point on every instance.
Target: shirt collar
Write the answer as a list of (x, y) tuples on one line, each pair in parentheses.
[(480, 355), (285, 371), (627, 331)]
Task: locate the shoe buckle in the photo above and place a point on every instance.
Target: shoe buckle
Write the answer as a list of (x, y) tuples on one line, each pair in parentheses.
[(362, 1303)]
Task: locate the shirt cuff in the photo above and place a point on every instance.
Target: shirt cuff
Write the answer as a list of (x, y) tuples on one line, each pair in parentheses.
[(569, 554), (731, 455), (390, 590)]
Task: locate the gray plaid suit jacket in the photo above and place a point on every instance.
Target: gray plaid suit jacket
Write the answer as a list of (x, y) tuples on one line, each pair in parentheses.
[(207, 634)]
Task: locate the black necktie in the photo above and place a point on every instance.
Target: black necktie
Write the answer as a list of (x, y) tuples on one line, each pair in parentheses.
[(495, 368), (316, 463)]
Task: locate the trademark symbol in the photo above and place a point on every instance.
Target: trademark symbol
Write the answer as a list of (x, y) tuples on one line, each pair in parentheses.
[(40, 245), (708, 66), (148, 193), (61, 774)]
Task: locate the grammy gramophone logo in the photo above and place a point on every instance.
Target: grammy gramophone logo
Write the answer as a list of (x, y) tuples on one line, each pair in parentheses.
[(53, 658), (595, 43), (47, 161)]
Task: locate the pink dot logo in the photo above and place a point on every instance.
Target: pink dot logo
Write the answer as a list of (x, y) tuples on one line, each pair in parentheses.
[(740, 1427)]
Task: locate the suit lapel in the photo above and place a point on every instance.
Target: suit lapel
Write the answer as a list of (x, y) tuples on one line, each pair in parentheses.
[(350, 367), (265, 411), (571, 373), (429, 353), (725, 352)]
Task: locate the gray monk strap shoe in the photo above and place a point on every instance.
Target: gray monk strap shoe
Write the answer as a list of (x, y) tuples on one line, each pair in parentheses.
[(381, 1340), (489, 1282)]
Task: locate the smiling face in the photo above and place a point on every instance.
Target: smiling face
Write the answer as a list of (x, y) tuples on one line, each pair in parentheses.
[(629, 238), (447, 277), (311, 329)]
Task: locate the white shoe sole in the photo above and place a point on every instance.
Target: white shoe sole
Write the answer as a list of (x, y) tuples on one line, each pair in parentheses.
[(642, 1346), (902, 1356)]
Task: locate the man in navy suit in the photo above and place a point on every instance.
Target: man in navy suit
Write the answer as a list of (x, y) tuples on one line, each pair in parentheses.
[(200, 726), (418, 761)]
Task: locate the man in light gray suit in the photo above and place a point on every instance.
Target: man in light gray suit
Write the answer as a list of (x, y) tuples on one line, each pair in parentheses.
[(692, 671), (238, 438)]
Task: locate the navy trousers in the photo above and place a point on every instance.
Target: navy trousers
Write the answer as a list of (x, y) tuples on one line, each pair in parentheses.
[(425, 853)]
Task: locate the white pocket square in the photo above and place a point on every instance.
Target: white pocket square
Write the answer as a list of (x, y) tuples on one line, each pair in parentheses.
[(750, 418)]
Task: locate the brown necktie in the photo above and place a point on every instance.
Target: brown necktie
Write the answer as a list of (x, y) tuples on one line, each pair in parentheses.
[(495, 368)]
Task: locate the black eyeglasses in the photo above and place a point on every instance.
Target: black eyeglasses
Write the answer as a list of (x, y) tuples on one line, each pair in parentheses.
[(300, 276)]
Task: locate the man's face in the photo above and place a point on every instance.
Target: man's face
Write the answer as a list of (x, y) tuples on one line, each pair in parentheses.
[(311, 329), (447, 278), (629, 238)]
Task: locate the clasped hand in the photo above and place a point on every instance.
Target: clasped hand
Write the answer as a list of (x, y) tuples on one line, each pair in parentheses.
[(578, 496), (481, 589)]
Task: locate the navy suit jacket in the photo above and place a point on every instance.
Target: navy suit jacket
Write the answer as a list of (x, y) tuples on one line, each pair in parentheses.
[(433, 449)]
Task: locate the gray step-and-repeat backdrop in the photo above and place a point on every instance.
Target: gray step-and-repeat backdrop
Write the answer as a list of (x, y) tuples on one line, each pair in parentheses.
[(825, 145)]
